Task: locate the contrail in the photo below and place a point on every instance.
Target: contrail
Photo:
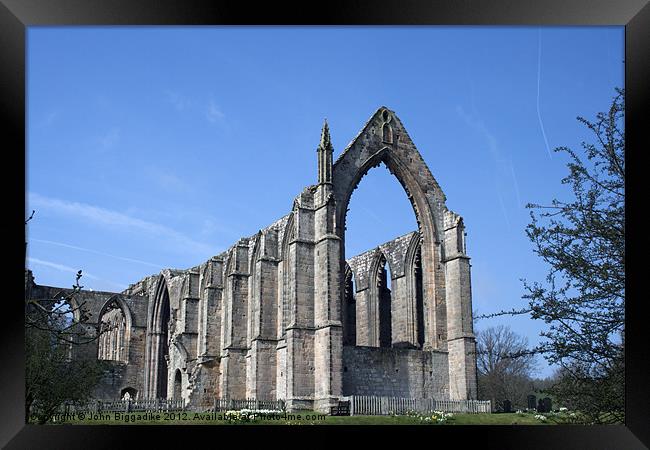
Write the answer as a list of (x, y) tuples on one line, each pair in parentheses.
[(503, 206), (539, 69), (514, 178), (64, 268), (60, 244)]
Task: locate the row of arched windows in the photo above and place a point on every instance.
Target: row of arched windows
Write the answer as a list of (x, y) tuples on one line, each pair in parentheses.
[(382, 295)]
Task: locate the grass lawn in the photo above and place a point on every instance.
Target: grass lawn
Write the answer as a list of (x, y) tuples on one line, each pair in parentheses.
[(300, 418)]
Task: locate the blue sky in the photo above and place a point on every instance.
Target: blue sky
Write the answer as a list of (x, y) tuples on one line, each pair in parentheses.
[(154, 147)]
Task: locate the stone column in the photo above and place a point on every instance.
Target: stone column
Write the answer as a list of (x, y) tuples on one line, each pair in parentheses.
[(233, 354), (205, 378), (461, 342), (261, 358), (300, 331), (328, 345)]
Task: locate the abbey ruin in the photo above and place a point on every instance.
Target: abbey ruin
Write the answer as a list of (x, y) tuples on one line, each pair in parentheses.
[(285, 314)]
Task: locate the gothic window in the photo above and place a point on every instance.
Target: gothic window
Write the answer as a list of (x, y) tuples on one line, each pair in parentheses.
[(387, 134), (112, 333), (349, 310), (460, 237), (419, 296), (383, 283)]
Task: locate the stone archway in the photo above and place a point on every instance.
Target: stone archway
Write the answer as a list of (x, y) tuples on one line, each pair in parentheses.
[(384, 140), (114, 329), (380, 302), (129, 393), (349, 311), (157, 344)]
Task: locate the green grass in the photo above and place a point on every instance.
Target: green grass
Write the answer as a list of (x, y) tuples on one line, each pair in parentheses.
[(189, 418)]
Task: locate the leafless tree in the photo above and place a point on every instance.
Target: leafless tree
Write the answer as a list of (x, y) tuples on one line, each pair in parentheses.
[(505, 365)]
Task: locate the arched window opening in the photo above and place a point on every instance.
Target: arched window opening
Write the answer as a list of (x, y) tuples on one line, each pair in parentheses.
[(129, 393), (112, 333), (384, 303), (387, 134), (163, 351), (177, 385), (157, 345), (287, 293), (349, 310), (63, 314), (378, 212), (63, 318), (419, 296)]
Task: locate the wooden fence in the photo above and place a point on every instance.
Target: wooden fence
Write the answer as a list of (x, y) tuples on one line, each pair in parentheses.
[(372, 405), (223, 404), (130, 405)]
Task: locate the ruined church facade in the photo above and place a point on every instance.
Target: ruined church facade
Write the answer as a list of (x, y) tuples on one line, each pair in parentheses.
[(285, 314)]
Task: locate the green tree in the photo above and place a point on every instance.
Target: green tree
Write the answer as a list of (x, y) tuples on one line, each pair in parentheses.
[(60, 362), (60, 365), (583, 297)]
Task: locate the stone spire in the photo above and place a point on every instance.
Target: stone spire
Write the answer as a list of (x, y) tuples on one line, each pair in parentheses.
[(325, 151)]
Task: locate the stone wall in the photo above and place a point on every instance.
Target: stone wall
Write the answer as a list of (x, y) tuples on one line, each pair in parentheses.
[(395, 372)]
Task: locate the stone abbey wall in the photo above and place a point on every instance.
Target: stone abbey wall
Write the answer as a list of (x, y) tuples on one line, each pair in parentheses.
[(395, 372), (285, 314)]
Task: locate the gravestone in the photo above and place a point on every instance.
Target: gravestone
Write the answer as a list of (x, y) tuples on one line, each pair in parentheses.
[(540, 406), (548, 404), (507, 406), (532, 401)]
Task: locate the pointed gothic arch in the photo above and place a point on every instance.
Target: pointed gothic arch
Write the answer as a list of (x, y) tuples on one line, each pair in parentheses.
[(380, 303), (286, 294), (63, 295), (349, 310), (157, 350), (254, 280), (404, 162), (114, 329), (415, 294)]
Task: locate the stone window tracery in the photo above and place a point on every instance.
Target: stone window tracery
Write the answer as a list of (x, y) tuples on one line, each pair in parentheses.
[(112, 337)]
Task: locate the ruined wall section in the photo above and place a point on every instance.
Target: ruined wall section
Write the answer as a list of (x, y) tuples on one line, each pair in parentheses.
[(395, 372), (120, 375), (363, 267), (461, 341)]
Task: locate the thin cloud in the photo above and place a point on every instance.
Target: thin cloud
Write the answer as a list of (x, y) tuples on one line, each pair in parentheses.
[(479, 126), (116, 219), (539, 77), (110, 139), (504, 167), (179, 101), (49, 119), (74, 247), (214, 113), (514, 180), (374, 216), (168, 180), (68, 269), (503, 208), (60, 267)]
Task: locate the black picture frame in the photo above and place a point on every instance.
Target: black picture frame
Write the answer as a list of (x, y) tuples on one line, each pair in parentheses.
[(17, 15)]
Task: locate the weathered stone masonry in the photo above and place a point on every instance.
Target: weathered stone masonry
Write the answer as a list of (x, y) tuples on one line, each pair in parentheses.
[(285, 315)]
